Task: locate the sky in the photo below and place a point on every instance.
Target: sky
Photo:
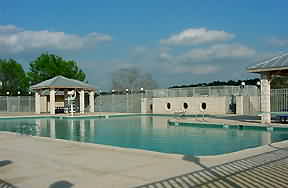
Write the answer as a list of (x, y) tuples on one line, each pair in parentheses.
[(178, 42)]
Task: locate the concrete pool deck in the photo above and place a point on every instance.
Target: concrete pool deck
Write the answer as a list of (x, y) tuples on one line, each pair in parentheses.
[(27, 161)]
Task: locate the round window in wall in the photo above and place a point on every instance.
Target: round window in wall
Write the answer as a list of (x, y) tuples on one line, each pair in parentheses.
[(203, 106), (185, 105), (168, 106)]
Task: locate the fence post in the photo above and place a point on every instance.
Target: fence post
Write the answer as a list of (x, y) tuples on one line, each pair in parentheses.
[(127, 100), (18, 104), (7, 103)]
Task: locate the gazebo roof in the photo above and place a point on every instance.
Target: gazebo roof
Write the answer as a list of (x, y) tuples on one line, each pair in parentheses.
[(61, 82), (276, 63)]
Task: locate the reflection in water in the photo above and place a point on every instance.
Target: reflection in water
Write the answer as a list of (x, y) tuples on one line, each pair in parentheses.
[(150, 133), (52, 128), (82, 130), (37, 127), (71, 128), (266, 138), (92, 127)]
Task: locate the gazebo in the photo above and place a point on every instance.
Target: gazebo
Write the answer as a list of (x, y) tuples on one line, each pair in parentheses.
[(61, 85), (277, 65)]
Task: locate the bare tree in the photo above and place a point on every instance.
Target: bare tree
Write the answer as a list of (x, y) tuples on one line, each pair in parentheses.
[(132, 78)]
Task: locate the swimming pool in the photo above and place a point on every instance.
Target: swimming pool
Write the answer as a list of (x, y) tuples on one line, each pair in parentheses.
[(146, 132)]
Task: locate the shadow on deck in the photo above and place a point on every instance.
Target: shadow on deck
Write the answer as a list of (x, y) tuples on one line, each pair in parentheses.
[(265, 170), (3, 183)]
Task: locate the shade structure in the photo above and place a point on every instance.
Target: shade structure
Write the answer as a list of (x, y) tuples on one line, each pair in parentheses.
[(61, 84), (277, 65)]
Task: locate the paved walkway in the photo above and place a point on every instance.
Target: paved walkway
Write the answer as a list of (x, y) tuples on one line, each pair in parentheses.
[(27, 161)]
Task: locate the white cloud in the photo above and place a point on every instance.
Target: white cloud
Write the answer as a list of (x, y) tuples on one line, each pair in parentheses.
[(281, 42), (99, 36), (205, 69), (8, 28), (218, 51), (15, 40), (197, 69), (196, 36), (208, 60), (214, 52)]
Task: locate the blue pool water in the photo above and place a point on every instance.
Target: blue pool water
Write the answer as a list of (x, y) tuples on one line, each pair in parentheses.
[(148, 133)]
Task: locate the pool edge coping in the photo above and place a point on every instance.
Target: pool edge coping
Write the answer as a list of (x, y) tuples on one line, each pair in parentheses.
[(220, 158), (115, 115)]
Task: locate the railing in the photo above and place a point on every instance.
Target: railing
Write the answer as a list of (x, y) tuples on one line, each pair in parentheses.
[(279, 100), (17, 104), (203, 91)]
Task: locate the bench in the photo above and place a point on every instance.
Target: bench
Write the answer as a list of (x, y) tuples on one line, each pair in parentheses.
[(283, 118)]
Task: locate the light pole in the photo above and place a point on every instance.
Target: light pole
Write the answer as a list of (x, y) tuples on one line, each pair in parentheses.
[(127, 99), (30, 98), (242, 86), (240, 106), (18, 100), (112, 100), (141, 91), (7, 101)]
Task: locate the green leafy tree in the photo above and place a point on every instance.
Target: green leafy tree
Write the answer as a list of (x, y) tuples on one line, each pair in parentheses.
[(12, 77), (48, 66), (221, 83), (279, 82)]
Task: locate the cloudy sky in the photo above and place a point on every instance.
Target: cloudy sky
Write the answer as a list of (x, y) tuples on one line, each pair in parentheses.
[(178, 42)]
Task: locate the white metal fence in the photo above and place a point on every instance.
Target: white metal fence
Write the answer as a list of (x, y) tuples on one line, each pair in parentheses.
[(131, 102), (118, 103), (200, 91), (17, 104), (279, 100)]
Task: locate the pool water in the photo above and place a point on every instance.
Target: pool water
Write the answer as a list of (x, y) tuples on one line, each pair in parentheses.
[(148, 133)]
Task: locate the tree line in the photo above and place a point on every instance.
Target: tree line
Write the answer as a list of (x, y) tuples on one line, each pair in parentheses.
[(15, 81), (221, 83), (276, 83)]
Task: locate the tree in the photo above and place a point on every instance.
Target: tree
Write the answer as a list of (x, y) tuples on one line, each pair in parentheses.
[(12, 77), (132, 78), (48, 66), (278, 82), (221, 83)]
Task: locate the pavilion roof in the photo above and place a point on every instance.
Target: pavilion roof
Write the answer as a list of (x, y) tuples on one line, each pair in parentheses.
[(276, 63), (61, 82)]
